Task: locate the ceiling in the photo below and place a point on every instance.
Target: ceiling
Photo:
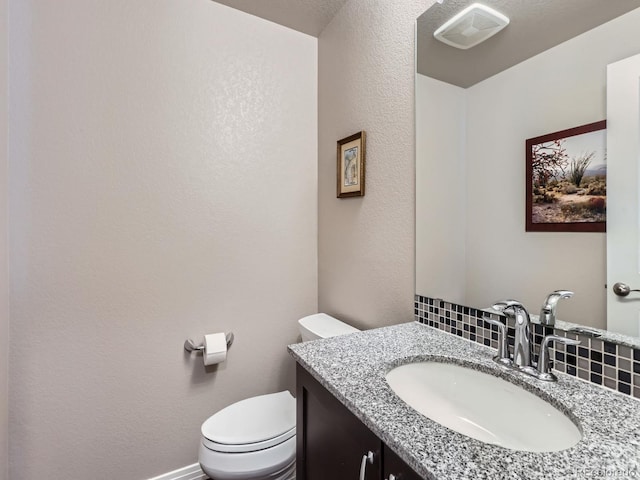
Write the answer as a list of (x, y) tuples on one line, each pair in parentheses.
[(536, 26), (306, 16)]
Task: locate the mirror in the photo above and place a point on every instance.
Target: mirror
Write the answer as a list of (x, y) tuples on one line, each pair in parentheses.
[(545, 72)]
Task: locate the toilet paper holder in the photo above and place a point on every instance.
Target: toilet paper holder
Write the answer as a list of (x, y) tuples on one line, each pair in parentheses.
[(190, 345)]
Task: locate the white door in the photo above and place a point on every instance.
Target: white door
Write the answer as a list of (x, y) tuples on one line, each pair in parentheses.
[(623, 187)]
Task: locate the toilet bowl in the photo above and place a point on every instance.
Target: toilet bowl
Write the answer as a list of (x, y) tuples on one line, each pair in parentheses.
[(251, 439), (254, 439)]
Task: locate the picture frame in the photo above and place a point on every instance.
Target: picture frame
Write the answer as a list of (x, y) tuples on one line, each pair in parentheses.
[(566, 180), (350, 170)]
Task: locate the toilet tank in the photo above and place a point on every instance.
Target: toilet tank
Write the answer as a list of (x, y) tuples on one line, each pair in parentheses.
[(321, 325)]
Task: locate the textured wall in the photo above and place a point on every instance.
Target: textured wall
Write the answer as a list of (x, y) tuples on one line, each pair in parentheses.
[(366, 82), (4, 276), (164, 185)]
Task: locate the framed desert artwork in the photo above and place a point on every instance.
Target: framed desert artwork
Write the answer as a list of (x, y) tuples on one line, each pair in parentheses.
[(350, 167), (566, 186)]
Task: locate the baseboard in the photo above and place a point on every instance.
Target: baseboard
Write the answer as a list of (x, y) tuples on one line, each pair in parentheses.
[(190, 472)]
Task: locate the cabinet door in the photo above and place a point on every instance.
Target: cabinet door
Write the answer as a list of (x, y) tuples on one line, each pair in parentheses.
[(395, 468), (332, 443)]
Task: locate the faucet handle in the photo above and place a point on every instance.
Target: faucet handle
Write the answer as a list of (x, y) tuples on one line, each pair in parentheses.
[(548, 309), (503, 346), (563, 293), (544, 372)]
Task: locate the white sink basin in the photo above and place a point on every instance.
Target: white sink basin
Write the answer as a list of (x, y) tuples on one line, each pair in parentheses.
[(483, 407)]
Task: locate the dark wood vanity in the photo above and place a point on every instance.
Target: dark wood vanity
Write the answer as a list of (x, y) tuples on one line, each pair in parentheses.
[(331, 441)]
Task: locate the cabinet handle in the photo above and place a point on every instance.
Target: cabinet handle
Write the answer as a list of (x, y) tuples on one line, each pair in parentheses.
[(391, 477), (363, 466)]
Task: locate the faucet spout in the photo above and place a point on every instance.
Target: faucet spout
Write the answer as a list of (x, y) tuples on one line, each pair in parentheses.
[(548, 310)]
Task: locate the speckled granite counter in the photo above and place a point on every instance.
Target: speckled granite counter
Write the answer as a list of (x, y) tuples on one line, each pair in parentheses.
[(353, 367)]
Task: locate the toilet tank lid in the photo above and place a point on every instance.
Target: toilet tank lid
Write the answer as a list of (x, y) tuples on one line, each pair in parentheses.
[(252, 420), (325, 326)]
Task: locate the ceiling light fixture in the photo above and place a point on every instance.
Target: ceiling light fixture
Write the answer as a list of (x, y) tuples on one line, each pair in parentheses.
[(471, 26)]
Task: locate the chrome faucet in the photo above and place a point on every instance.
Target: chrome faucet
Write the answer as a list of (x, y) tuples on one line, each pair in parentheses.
[(522, 346), (548, 310), (544, 367), (502, 356), (522, 341)]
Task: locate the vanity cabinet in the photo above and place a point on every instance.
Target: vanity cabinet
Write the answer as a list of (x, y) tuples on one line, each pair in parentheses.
[(333, 444)]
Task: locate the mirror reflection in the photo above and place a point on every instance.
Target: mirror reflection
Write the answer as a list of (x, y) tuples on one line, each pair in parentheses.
[(475, 108)]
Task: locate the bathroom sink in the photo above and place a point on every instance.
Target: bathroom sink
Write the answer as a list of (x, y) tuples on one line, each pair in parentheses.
[(483, 407)]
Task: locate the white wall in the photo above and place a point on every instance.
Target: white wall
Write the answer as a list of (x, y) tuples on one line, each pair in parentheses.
[(558, 89), (561, 88), (441, 198), (4, 275), (164, 185), (366, 244)]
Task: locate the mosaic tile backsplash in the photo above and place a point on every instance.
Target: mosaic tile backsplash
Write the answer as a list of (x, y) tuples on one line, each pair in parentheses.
[(594, 360)]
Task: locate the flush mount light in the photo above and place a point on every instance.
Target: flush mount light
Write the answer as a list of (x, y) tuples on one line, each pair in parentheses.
[(471, 26)]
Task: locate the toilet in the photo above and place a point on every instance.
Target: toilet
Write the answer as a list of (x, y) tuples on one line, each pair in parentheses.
[(255, 438), (321, 325)]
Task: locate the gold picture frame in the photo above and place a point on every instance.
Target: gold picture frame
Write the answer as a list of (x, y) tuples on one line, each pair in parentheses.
[(351, 166)]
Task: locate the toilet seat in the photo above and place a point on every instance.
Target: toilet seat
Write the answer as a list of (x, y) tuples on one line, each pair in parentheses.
[(248, 447), (252, 424)]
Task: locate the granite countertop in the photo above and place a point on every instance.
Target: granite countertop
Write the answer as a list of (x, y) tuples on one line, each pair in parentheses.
[(353, 367)]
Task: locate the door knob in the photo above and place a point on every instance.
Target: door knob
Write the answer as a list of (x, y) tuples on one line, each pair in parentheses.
[(622, 289)]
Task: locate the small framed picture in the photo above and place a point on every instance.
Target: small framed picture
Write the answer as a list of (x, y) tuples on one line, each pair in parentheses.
[(350, 169), (567, 180)]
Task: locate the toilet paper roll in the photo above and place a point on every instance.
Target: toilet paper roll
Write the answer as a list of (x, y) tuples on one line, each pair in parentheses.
[(215, 348)]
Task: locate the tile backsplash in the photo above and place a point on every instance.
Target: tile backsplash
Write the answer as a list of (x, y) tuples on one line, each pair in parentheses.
[(595, 360)]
